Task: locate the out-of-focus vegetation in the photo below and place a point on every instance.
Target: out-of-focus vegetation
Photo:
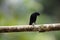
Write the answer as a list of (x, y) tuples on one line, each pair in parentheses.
[(17, 12)]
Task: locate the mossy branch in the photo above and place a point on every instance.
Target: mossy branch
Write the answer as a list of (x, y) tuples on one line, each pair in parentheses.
[(30, 28)]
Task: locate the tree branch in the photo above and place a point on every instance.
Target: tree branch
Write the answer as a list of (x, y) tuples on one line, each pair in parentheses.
[(30, 28)]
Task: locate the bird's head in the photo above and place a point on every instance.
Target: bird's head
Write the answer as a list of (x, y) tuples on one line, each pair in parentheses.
[(37, 13)]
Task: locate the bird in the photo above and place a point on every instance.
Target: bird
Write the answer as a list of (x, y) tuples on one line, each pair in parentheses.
[(33, 18)]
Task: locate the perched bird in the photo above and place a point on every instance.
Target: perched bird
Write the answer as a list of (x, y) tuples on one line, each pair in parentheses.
[(33, 18)]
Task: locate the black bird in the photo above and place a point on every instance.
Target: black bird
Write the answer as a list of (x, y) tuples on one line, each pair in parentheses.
[(33, 18)]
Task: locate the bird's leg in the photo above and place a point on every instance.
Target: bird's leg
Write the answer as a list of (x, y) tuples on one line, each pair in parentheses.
[(33, 24)]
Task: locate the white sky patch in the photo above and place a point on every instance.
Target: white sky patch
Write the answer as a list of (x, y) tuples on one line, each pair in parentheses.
[(14, 2)]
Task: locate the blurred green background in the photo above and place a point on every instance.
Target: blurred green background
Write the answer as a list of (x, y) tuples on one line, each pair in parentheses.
[(17, 12)]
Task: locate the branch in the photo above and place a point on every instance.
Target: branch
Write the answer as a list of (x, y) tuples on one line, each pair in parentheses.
[(30, 28)]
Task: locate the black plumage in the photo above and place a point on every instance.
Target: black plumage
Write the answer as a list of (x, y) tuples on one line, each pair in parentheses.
[(33, 18)]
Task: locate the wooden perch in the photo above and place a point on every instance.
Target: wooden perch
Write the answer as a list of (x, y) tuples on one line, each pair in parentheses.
[(30, 28)]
